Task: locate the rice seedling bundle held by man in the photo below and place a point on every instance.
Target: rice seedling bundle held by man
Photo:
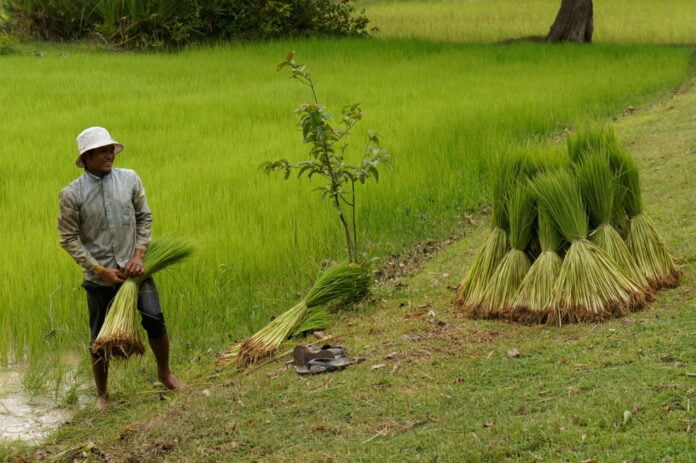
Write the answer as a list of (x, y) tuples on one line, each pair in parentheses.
[(119, 336)]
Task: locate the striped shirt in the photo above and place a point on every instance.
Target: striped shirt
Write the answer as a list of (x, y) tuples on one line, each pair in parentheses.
[(103, 220)]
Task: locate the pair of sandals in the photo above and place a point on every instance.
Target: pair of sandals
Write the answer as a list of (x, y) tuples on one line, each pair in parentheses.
[(311, 360)]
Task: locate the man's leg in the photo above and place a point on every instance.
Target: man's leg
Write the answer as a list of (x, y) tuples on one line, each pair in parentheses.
[(98, 300), (153, 322), (160, 347), (100, 369)]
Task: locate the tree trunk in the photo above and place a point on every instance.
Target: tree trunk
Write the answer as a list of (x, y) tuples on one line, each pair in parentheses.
[(573, 22)]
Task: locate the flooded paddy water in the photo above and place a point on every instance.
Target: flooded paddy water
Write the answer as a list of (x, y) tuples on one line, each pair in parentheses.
[(26, 416)]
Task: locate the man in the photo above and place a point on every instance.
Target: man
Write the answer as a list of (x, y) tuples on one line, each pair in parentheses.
[(104, 224)]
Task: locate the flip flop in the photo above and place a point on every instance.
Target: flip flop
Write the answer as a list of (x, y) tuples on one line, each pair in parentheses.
[(302, 355), (317, 366)]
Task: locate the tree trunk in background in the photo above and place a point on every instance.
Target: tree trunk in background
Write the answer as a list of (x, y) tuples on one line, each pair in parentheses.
[(573, 22)]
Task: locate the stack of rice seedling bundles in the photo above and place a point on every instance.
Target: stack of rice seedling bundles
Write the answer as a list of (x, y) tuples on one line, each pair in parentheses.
[(644, 242), (506, 171), (119, 336), (599, 190), (513, 267), (531, 303), (590, 286), (343, 281)]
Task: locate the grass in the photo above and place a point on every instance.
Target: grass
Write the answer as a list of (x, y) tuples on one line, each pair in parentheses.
[(448, 389), (197, 125), (484, 21)]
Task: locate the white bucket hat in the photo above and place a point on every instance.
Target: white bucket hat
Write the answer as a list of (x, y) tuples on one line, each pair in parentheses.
[(95, 137)]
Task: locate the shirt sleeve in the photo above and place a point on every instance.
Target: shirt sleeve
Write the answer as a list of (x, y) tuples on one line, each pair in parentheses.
[(69, 231), (143, 216)]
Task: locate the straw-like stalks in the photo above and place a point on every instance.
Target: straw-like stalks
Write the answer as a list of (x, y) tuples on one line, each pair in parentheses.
[(268, 338), (343, 281), (515, 264), (531, 303), (503, 285), (651, 254), (590, 287), (608, 239), (119, 336), (479, 273), (600, 189)]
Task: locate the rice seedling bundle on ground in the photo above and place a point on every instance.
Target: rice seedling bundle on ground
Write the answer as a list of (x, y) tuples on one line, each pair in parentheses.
[(119, 336), (531, 303), (599, 187), (513, 267), (590, 285), (343, 281), (506, 171), (644, 242)]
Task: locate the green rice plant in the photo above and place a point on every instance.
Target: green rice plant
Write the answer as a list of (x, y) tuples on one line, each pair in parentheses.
[(598, 185), (341, 281), (531, 302), (119, 336), (646, 245), (590, 286), (319, 319), (513, 267), (506, 171)]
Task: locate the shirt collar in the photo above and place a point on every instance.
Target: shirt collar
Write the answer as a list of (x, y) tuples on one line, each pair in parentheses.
[(95, 178)]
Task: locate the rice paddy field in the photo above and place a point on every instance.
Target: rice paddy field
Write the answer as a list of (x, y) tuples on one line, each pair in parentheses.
[(198, 124)]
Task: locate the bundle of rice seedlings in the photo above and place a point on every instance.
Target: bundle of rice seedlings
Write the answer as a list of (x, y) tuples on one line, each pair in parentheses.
[(590, 286), (342, 281), (506, 171), (119, 336), (513, 267), (592, 139), (318, 320), (598, 185), (531, 303), (644, 242)]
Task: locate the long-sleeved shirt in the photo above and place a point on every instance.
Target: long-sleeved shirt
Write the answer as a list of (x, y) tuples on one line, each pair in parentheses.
[(103, 220)]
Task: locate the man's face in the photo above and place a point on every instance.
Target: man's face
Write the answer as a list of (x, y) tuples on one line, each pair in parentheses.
[(100, 160)]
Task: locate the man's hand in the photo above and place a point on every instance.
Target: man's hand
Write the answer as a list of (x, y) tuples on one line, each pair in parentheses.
[(134, 267), (112, 276)]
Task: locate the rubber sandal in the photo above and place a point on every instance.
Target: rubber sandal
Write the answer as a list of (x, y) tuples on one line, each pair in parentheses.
[(302, 355), (311, 369), (331, 364)]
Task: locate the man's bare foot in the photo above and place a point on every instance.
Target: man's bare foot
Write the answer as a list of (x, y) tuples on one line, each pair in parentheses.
[(171, 382), (101, 403)]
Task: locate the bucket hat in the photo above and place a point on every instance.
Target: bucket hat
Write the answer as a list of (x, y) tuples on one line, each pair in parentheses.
[(94, 137)]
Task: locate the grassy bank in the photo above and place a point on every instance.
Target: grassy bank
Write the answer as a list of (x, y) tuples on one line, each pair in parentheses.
[(484, 21), (198, 124), (438, 387)]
